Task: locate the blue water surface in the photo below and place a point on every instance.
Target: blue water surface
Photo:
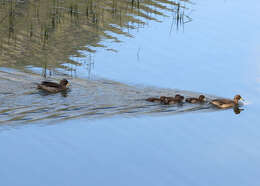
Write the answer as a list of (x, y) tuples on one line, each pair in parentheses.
[(216, 53)]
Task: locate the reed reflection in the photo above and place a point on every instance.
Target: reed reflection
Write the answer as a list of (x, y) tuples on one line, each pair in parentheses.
[(46, 33)]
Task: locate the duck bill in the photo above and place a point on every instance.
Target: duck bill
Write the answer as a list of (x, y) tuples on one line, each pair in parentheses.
[(242, 99)]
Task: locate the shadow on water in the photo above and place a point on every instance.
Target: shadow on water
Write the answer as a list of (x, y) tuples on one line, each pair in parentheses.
[(21, 102)]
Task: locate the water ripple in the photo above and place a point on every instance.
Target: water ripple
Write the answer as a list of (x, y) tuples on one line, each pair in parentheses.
[(87, 98)]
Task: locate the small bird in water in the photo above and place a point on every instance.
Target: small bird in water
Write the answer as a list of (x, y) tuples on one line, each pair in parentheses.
[(200, 99), (226, 103), (52, 87), (173, 100), (156, 100)]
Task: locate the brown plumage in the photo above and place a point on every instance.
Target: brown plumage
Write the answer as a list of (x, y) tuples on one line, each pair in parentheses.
[(52, 87), (200, 99), (166, 100), (173, 100), (226, 103), (156, 100)]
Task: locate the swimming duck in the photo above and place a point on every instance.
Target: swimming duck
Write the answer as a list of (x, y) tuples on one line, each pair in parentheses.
[(200, 99), (173, 100), (52, 87), (226, 103), (156, 100)]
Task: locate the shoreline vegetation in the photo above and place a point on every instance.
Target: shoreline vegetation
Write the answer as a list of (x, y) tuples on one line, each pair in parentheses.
[(46, 33)]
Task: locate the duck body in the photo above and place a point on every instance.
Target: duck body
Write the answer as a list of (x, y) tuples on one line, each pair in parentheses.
[(166, 100), (173, 100), (226, 103), (155, 100), (53, 87), (170, 101), (223, 103), (200, 99), (152, 99)]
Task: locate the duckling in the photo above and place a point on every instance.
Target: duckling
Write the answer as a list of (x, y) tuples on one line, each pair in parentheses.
[(156, 100), (226, 103), (200, 99), (173, 100), (52, 87)]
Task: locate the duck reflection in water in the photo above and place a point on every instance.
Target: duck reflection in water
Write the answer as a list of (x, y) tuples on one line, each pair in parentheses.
[(237, 110)]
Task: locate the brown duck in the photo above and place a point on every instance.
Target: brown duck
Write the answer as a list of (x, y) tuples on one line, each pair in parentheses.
[(200, 99), (52, 87), (156, 100), (173, 100), (226, 103)]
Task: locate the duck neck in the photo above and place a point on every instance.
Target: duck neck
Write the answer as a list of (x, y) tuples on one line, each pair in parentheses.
[(236, 101)]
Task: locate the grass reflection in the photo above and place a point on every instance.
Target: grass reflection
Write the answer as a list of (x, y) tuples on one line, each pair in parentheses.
[(45, 33)]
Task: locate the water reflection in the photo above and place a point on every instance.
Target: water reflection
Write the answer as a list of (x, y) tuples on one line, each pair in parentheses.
[(237, 110), (46, 33)]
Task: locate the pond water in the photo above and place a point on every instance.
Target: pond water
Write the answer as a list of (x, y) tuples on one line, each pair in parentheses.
[(102, 132)]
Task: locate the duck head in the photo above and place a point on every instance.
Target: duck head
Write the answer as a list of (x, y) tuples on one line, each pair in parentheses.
[(237, 98), (64, 83), (179, 97), (202, 98)]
